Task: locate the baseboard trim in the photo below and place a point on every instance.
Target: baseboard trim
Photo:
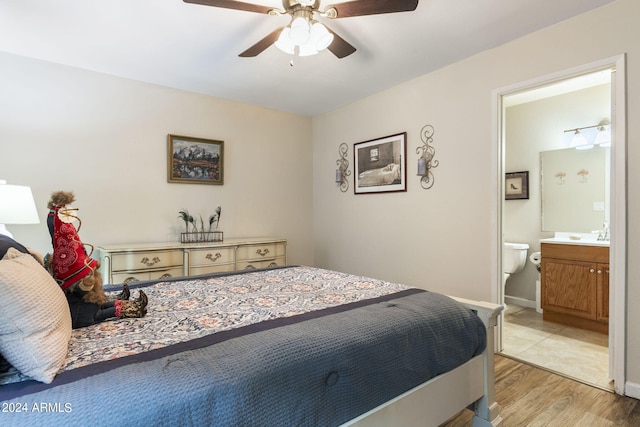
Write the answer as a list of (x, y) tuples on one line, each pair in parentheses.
[(519, 301), (632, 390)]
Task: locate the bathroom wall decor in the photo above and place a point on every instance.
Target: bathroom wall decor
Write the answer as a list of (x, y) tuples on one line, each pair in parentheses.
[(516, 185)]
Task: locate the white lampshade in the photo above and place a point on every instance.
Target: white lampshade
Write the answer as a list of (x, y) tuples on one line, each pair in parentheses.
[(320, 36), (579, 141), (603, 138), (299, 30), (284, 42), (16, 206), (307, 49)]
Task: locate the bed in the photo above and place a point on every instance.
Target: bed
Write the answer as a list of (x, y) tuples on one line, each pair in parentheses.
[(282, 346), (380, 176)]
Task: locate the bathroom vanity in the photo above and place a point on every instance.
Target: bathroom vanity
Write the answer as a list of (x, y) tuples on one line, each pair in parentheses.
[(575, 283)]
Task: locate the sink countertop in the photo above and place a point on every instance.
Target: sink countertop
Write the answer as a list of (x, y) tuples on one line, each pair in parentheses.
[(569, 241)]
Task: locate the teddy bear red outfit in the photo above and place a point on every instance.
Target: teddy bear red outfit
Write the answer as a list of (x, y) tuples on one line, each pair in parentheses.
[(77, 273)]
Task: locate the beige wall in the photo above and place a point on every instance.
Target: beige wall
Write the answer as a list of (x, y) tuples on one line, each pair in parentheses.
[(445, 238), (105, 138)]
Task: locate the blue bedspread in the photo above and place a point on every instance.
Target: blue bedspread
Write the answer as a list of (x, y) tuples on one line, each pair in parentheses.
[(319, 368)]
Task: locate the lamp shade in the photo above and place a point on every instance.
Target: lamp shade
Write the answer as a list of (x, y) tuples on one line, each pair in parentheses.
[(579, 141), (299, 30), (320, 36), (284, 42), (603, 138), (17, 205)]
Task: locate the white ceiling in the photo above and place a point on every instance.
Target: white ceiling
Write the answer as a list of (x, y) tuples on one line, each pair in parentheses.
[(195, 48)]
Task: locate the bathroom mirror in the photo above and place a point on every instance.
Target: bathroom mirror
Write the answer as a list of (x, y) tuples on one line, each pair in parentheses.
[(575, 189)]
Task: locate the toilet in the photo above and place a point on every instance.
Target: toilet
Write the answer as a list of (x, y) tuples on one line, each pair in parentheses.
[(514, 258)]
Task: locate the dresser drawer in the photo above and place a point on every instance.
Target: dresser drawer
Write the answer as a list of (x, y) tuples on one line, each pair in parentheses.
[(265, 251), (210, 256), (135, 276), (134, 261), (222, 268), (250, 265)]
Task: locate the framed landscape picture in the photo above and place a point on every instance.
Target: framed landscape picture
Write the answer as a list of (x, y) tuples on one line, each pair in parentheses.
[(381, 165), (195, 160)]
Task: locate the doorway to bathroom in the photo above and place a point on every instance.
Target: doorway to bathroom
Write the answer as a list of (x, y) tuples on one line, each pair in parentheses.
[(547, 115)]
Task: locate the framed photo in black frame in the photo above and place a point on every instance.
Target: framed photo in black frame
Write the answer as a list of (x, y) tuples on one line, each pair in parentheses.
[(381, 165), (516, 185)]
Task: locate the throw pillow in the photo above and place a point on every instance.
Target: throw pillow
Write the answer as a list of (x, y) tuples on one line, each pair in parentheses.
[(35, 323)]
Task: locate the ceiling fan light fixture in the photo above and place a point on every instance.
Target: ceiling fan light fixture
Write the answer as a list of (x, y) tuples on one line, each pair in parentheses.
[(307, 49), (320, 37), (299, 30), (284, 42)]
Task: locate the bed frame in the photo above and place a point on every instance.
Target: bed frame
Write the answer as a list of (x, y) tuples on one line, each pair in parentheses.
[(439, 399)]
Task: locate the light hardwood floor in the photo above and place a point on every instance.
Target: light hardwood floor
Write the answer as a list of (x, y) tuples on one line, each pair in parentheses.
[(530, 396)]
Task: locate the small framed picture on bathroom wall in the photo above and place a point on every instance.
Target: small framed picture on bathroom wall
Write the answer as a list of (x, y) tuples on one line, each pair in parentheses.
[(516, 185)]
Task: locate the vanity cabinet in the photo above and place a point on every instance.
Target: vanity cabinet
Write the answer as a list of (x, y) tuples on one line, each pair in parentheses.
[(575, 285), (149, 261)]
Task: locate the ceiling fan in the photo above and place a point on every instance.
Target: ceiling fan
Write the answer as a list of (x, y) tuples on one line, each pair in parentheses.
[(304, 32)]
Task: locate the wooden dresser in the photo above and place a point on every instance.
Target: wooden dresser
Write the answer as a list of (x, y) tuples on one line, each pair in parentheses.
[(149, 261), (575, 285)]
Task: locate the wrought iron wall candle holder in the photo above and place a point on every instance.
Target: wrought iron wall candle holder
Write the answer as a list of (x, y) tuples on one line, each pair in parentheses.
[(425, 161), (343, 168)]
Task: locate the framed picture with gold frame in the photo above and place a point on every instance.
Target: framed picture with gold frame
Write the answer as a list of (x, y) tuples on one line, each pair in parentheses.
[(195, 160)]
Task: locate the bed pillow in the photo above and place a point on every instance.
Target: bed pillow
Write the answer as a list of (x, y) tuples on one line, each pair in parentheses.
[(7, 242), (35, 323)]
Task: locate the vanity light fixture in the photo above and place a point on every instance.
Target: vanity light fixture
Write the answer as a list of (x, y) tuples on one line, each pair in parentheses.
[(602, 139), (425, 161), (579, 141), (343, 168), (16, 206)]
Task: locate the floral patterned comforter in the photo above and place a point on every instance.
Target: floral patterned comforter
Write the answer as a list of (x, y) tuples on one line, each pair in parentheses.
[(187, 309)]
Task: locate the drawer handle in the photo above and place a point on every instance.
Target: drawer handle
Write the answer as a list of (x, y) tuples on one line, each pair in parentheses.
[(131, 279), (591, 270), (262, 252), (150, 263), (213, 258), (166, 276)]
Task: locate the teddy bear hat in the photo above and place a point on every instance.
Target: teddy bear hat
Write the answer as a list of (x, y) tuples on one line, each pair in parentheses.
[(70, 262)]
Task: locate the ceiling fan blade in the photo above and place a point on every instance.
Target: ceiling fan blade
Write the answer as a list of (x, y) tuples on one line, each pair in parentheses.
[(263, 44), (339, 46), (371, 7), (230, 4)]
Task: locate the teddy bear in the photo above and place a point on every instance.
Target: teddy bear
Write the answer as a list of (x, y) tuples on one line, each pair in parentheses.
[(77, 273)]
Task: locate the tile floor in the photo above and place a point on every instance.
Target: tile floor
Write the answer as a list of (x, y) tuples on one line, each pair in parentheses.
[(576, 353)]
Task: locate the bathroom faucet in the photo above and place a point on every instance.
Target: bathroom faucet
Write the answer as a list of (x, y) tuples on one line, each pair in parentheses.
[(604, 234)]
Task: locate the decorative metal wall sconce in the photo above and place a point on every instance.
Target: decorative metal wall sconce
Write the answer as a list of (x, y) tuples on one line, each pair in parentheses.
[(343, 168), (425, 161)]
